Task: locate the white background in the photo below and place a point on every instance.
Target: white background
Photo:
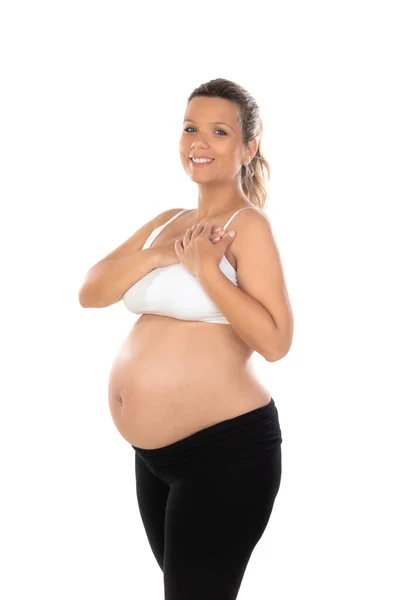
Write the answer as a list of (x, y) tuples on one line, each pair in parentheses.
[(92, 101)]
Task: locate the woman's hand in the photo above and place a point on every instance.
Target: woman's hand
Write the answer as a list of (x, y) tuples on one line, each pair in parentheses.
[(196, 251), (167, 254)]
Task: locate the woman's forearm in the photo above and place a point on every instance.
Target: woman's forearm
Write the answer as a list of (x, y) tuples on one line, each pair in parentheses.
[(107, 281)]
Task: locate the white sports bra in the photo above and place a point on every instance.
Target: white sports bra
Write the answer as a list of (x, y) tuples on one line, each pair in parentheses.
[(172, 291)]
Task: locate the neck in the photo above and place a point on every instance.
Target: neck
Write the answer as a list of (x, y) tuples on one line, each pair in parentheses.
[(216, 200)]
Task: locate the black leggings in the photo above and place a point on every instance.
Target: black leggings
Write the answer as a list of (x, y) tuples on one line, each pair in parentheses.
[(205, 502)]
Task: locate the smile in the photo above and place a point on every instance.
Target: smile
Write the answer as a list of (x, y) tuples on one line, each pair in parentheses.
[(201, 163)]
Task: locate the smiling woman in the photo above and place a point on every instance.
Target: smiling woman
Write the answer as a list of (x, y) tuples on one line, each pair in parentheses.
[(182, 389)]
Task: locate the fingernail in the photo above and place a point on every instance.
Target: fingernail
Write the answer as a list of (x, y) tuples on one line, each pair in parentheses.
[(232, 233)]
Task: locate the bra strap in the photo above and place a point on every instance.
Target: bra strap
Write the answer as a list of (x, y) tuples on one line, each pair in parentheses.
[(174, 217), (234, 215), (159, 229)]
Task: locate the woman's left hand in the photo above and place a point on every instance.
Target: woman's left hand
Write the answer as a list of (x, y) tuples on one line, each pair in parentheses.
[(197, 252)]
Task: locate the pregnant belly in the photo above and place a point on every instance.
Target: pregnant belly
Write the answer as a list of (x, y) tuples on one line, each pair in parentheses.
[(174, 379)]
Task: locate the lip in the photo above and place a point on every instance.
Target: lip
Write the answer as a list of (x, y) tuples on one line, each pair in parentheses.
[(200, 165)]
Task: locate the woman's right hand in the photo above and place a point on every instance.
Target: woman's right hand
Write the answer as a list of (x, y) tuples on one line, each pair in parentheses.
[(167, 254)]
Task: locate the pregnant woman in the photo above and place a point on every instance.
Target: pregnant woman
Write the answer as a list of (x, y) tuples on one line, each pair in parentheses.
[(182, 392)]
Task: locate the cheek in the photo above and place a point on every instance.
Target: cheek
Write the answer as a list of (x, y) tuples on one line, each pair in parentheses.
[(183, 144), (183, 155)]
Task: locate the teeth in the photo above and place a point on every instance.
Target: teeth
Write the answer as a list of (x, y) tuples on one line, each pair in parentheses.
[(201, 160)]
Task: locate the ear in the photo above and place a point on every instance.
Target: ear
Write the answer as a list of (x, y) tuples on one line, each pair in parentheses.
[(252, 149)]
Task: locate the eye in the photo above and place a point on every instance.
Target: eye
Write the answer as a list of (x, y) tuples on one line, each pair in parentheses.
[(215, 130)]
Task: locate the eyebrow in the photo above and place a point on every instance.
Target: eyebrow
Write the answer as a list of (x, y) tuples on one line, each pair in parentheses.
[(212, 123)]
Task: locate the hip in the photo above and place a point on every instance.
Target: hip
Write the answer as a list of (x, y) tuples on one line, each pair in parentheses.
[(246, 440)]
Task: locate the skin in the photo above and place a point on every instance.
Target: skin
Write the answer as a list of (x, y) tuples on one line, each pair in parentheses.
[(219, 184), (172, 377)]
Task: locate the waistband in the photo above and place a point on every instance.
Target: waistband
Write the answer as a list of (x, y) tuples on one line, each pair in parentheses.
[(257, 417)]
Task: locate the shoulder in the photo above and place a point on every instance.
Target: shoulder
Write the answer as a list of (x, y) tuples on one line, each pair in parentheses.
[(252, 214), (171, 212), (166, 215), (249, 225)]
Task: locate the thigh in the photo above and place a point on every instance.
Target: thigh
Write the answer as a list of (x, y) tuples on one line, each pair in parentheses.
[(213, 522), (152, 495)]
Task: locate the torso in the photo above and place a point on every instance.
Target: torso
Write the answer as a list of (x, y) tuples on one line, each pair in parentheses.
[(172, 378)]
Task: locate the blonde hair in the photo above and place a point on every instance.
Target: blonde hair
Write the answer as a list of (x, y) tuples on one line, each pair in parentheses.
[(256, 174)]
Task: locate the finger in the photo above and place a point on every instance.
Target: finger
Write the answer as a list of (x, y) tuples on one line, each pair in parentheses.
[(186, 237), (206, 229), (178, 248), (197, 229), (214, 228)]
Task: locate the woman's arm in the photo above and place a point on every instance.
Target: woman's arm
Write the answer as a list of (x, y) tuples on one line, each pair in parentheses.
[(108, 280)]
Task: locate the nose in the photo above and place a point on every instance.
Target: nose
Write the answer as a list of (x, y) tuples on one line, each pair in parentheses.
[(199, 139), (199, 143)]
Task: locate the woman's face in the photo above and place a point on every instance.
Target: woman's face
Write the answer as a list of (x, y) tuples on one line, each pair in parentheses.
[(211, 129)]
